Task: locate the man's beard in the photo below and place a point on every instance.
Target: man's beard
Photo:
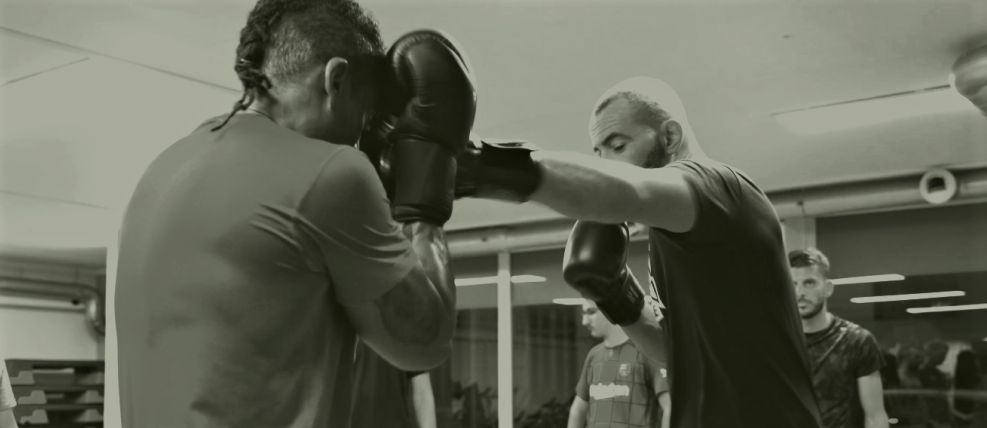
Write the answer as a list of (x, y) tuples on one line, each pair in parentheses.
[(816, 309), (657, 157)]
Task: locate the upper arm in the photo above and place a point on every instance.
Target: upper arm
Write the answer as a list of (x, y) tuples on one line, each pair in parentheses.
[(375, 273), (665, 199), (347, 213), (582, 387), (659, 383), (871, 393)]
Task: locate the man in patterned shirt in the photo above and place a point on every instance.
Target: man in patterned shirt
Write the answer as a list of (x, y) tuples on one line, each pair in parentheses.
[(844, 357), (620, 387)]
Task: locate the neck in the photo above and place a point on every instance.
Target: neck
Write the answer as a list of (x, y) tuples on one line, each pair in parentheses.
[(278, 111), (818, 322), (690, 149), (615, 337)]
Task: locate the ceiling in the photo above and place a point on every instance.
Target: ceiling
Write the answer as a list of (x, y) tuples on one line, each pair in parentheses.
[(92, 90)]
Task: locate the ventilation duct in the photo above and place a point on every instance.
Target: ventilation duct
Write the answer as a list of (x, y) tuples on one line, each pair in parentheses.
[(855, 198), (87, 295)]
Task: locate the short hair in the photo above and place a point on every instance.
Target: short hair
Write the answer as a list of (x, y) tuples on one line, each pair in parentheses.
[(650, 112), (283, 38), (657, 101), (809, 257)]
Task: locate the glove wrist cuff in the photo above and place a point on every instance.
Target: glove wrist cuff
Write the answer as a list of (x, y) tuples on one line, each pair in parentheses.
[(424, 175), (623, 307), (504, 171)]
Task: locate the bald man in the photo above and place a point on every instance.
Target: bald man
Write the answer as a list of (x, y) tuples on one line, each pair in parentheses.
[(721, 311)]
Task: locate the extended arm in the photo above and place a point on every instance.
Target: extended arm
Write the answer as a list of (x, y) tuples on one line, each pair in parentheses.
[(576, 185), (589, 188), (872, 400)]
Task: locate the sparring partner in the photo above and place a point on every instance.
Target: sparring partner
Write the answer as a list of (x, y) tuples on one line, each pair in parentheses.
[(619, 386), (730, 332), (844, 357), (256, 249), (385, 396)]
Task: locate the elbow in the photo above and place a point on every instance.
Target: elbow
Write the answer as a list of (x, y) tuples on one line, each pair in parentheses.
[(428, 357), (424, 359)]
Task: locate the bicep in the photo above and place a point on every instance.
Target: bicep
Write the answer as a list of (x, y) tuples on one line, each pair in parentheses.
[(871, 393), (664, 200), (348, 215), (401, 325)]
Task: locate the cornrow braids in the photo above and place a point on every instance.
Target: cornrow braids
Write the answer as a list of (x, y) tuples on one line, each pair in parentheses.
[(283, 37), (254, 38)]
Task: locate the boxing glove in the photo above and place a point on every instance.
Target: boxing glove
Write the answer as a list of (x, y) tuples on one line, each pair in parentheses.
[(374, 144), (594, 264), (429, 96), (497, 169)]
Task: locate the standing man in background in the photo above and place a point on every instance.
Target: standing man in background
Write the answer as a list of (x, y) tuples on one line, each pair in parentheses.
[(619, 385), (385, 396), (845, 358)]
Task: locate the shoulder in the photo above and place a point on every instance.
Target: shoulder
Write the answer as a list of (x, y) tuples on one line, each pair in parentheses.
[(344, 165), (854, 330), (859, 336)]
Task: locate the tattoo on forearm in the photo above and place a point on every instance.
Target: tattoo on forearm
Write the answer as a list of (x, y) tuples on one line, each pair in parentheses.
[(410, 313), (414, 313)]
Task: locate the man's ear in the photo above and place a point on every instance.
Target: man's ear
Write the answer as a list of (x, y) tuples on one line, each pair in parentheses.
[(671, 135), (336, 74), (829, 288)]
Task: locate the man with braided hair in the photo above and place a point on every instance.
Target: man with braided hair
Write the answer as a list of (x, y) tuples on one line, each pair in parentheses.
[(255, 250)]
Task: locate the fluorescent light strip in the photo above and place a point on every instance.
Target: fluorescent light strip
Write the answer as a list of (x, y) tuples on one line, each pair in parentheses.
[(900, 297), (868, 279), (30, 303), (873, 111), (569, 301), (516, 279), (947, 308)]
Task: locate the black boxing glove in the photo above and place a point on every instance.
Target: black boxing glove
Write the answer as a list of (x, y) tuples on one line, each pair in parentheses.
[(594, 264), (429, 89), (374, 143), (497, 169)]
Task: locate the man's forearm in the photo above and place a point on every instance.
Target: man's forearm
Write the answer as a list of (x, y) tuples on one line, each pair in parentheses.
[(577, 418), (423, 400), (647, 333), (586, 188), (429, 243)]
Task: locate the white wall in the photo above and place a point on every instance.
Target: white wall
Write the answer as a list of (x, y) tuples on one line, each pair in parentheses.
[(45, 333)]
